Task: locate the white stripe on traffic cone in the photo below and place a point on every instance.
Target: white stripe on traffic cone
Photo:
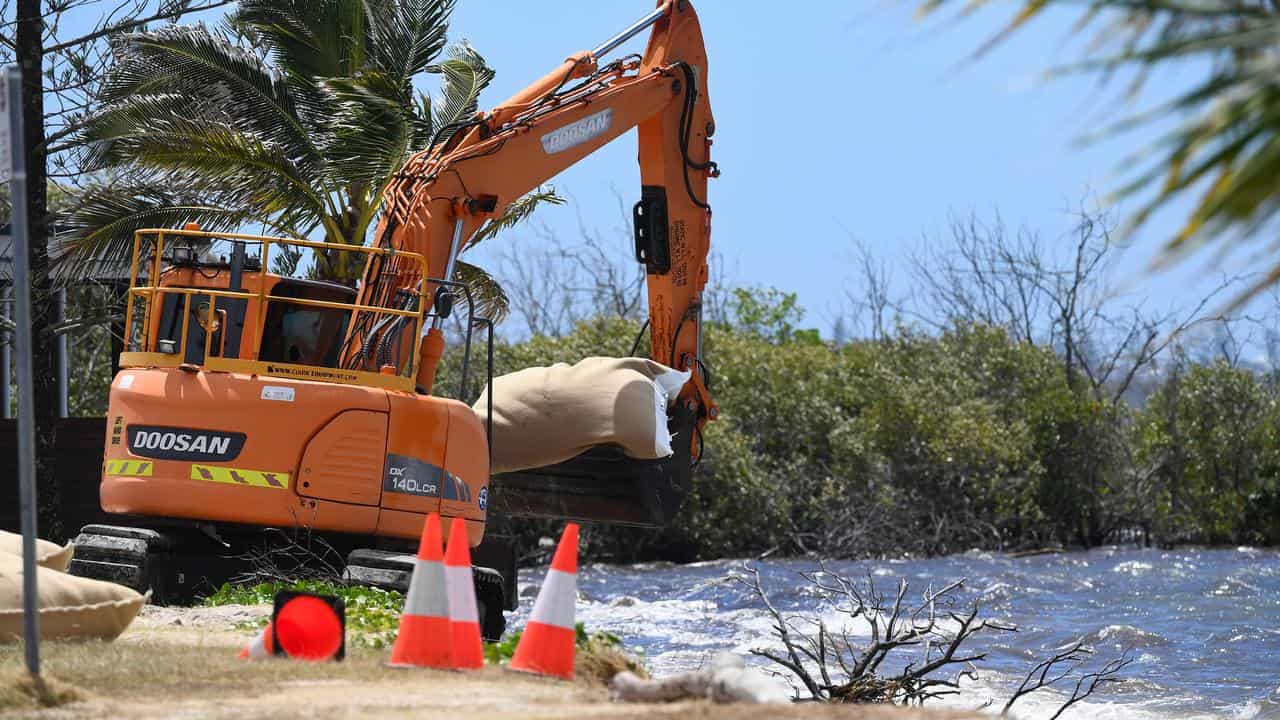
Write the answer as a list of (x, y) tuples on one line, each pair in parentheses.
[(424, 639), (260, 647), (548, 643)]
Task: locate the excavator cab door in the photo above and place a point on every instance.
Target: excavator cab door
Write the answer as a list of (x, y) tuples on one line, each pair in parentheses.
[(305, 334), (200, 322)]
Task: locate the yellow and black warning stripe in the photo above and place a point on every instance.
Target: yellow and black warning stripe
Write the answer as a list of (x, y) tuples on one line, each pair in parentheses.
[(240, 476), (134, 468)]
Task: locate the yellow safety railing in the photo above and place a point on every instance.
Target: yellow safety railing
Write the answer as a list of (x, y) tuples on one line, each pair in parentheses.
[(152, 292)]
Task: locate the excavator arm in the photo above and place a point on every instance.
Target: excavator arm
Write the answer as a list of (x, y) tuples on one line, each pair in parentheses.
[(442, 197)]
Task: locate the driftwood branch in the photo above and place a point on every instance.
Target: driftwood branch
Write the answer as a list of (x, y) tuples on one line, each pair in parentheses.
[(831, 667), (1062, 665), (1089, 682), (926, 640)]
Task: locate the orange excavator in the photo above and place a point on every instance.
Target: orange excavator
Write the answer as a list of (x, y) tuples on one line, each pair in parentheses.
[(251, 402)]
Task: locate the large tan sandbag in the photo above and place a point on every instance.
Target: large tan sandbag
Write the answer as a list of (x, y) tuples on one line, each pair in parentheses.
[(546, 415), (48, 554), (70, 606)]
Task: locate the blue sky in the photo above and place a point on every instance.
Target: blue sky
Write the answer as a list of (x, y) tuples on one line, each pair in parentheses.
[(837, 118)]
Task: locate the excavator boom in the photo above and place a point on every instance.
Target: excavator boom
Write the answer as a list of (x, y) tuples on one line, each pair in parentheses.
[(442, 197)]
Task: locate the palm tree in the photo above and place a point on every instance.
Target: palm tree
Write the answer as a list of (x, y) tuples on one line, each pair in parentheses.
[(1225, 152), (292, 117)]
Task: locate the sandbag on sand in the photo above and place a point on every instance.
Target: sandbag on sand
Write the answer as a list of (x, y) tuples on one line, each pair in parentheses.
[(48, 554), (70, 606), (546, 415)]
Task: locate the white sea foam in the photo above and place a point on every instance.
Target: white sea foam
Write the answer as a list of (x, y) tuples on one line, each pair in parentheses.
[(1133, 567), (990, 691), (681, 628)]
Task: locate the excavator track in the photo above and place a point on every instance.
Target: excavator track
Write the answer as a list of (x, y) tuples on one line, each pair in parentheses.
[(392, 571), (123, 555), (178, 568)]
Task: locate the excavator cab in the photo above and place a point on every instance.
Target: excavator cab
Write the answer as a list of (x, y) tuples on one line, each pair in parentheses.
[(291, 332)]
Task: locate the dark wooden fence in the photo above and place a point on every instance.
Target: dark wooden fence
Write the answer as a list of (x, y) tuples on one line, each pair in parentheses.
[(78, 467)]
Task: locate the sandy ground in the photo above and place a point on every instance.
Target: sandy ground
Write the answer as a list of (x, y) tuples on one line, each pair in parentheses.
[(181, 662)]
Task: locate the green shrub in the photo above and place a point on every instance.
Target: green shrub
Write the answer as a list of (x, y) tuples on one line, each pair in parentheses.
[(372, 614), (933, 443), (1210, 435)]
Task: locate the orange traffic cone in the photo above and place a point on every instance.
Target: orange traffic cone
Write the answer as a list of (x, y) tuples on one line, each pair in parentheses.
[(260, 648), (309, 627), (547, 645), (464, 621), (424, 639)]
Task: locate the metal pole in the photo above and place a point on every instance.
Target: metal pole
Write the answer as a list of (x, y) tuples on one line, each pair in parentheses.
[(64, 356), (26, 402), (627, 34), (6, 340), (449, 264)]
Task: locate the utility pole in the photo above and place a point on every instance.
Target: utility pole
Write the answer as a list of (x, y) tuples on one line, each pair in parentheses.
[(30, 56), (12, 140)]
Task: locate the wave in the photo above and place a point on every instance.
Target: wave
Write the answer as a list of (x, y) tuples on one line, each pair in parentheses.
[(1178, 614), (1133, 567), (1127, 637)]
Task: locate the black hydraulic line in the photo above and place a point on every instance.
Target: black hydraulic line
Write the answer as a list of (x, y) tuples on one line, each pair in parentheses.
[(466, 354), (636, 345), (701, 447), (686, 129), (488, 418), (676, 339)]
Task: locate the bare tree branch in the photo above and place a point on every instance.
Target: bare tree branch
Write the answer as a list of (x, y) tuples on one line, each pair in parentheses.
[(168, 12)]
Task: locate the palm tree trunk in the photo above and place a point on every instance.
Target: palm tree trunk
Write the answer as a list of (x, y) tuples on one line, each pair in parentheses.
[(30, 55)]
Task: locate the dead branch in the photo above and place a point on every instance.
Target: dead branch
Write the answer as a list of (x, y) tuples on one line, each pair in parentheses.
[(1060, 666), (1047, 672), (927, 639), (832, 667), (290, 556), (1090, 682)]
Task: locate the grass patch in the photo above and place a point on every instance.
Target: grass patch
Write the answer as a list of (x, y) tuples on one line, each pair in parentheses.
[(373, 619), (20, 691), (600, 655), (154, 670), (373, 615)]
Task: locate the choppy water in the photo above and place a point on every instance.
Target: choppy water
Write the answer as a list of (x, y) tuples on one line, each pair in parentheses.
[(1203, 625)]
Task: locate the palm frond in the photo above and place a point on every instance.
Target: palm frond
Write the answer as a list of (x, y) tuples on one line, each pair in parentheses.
[(102, 223), (520, 210), (129, 117), (308, 39), (423, 122), (490, 299), (211, 156), (286, 260), (191, 61), (463, 76), (405, 37), (1225, 151), (372, 131)]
